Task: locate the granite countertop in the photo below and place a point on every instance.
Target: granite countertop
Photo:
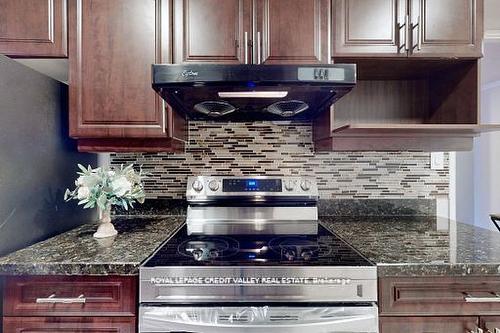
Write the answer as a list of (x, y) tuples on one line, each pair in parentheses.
[(399, 245), (76, 252), (419, 246)]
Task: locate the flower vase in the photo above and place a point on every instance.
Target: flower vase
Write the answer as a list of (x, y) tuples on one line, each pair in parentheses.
[(106, 228)]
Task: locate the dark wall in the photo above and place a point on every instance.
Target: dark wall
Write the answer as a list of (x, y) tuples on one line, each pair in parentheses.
[(37, 159)]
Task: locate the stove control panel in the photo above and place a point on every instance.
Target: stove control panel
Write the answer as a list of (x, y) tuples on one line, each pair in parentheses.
[(269, 186)]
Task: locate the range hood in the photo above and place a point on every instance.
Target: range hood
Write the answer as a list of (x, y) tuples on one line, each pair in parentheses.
[(252, 92)]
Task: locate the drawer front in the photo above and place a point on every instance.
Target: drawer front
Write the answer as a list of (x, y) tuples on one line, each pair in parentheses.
[(428, 324), (70, 296), (69, 325), (439, 296)]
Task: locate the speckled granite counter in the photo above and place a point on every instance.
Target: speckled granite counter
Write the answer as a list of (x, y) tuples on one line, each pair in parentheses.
[(420, 246), (76, 252), (399, 245)]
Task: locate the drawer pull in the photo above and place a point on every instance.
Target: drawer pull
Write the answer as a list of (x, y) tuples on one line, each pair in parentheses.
[(52, 299), (471, 299)]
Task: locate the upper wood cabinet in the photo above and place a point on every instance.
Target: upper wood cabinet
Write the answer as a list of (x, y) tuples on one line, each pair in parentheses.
[(113, 44), (246, 31), (414, 28), (211, 31), (292, 31), (33, 28), (447, 28), (369, 27)]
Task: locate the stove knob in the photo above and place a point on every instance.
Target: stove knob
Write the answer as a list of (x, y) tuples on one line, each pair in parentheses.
[(213, 185), (305, 185), (197, 254), (214, 253), (197, 185), (289, 185), (306, 254), (289, 255)]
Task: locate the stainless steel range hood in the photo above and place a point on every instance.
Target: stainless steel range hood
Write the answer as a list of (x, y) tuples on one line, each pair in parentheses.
[(253, 92)]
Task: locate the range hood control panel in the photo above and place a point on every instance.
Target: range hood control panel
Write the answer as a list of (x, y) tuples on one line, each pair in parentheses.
[(321, 74)]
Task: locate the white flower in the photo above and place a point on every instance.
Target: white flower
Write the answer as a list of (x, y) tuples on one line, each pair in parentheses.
[(83, 193), (121, 186)]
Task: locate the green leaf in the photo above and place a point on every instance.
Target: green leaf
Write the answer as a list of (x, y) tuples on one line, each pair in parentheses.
[(89, 205), (81, 167)]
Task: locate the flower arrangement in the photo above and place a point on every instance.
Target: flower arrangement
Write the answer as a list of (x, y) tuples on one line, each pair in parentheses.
[(103, 188)]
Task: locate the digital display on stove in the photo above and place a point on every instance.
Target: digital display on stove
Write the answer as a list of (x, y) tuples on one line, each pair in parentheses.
[(251, 185)]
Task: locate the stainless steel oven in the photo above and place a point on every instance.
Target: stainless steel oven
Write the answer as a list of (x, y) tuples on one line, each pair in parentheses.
[(252, 257)]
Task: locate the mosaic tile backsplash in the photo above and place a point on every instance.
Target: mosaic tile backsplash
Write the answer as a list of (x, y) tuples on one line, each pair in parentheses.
[(266, 148)]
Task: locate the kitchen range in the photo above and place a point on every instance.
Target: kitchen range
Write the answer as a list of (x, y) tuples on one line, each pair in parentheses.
[(252, 257)]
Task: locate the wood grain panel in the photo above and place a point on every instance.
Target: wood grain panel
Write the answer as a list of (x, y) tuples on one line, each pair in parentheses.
[(105, 296), (292, 31), (113, 44), (447, 28), (376, 142), (33, 28), (436, 296), (370, 27), (211, 31), (490, 324), (428, 325), (69, 325)]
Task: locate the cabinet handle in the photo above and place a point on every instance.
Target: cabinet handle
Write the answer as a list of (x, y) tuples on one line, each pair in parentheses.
[(259, 55), (419, 38), (407, 34), (52, 299), (163, 117), (471, 299), (245, 49)]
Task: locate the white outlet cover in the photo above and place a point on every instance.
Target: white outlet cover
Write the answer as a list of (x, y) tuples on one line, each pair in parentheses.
[(437, 160)]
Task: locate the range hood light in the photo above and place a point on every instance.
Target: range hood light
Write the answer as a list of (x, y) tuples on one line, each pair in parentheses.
[(253, 94)]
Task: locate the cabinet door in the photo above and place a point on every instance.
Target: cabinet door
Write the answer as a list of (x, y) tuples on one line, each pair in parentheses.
[(69, 325), (33, 28), (446, 28), (103, 296), (370, 28), (113, 44), (292, 31), (428, 324), (212, 31)]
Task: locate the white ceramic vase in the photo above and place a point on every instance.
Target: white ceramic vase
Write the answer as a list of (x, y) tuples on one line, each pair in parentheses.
[(105, 228)]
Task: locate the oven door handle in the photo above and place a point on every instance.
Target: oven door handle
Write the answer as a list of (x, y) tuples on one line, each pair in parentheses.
[(257, 320)]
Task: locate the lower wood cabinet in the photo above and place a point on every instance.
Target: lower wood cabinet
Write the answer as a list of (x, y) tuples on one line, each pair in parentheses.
[(428, 324), (64, 304), (70, 296), (439, 296), (69, 324), (462, 304)]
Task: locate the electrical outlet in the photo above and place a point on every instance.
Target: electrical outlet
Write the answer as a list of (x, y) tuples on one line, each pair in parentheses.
[(437, 161)]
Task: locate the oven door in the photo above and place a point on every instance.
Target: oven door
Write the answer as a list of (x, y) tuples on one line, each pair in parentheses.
[(264, 319)]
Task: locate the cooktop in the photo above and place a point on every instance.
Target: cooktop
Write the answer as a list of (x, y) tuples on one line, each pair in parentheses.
[(323, 249)]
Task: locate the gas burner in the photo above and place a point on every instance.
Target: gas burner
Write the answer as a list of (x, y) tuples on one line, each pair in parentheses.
[(299, 248), (208, 248)]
